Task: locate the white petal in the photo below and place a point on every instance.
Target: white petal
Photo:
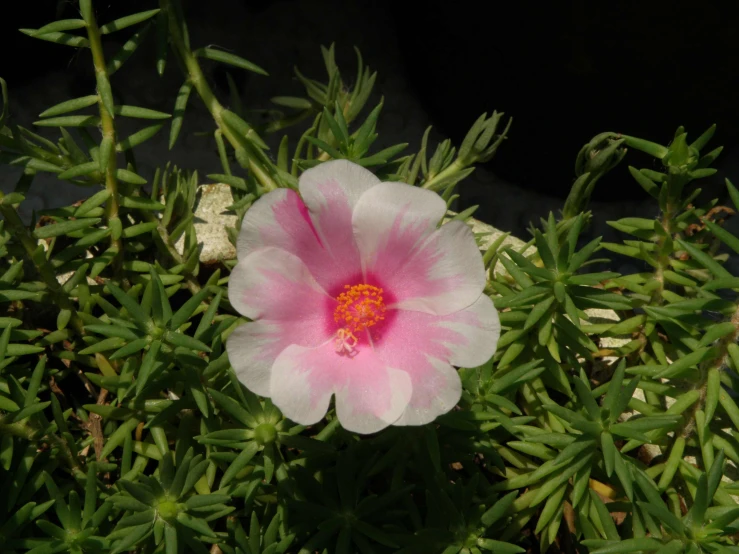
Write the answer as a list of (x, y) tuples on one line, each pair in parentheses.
[(274, 284), (346, 182), (394, 217), (477, 330), (365, 421), (434, 396)]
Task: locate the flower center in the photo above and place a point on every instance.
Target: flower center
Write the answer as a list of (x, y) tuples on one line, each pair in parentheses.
[(360, 307)]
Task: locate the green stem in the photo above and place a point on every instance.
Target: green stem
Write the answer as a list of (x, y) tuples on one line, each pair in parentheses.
[(200, 84), (109, 135), (432, 182)]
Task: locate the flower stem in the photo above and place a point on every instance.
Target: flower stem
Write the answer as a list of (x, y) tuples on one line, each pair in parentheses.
[(109, 138), (432, 183), (200, 84)]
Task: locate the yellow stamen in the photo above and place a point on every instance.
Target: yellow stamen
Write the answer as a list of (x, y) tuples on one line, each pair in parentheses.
[(360, 307)]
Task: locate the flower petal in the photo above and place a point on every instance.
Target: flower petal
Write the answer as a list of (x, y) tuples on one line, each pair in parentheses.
[(426, 346), (274, 284), (279, 219), (419, 344), (318, 230), (473, 333), (444, 275), (335, 181), (391, 221), (254, 346), (438, 393), (369, 395), (331, 191), (438, 271), (252, 350)]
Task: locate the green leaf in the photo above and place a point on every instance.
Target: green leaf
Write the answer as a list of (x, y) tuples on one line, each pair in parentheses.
[(232, 180), (59, 38), (61, 25), (184, 313), (70, 106), (132, 537), (499, 547), (292, 102), (685, 363), (499, 509), (733, 193), (233, 408), (179, 112), (64, 228), (673, 462), (133, 308), (140, 113), (128, 48), (127, 21), (186, 341), (196, 524), (130, 177), (141, 203), (138, 137), (162, 43), (79, 170), (628, 546), (716, 332), (537, 312), (94, 201), (242, 128), (705, 260), (722, 234), (239, 463), (70, 121), (230, 59)]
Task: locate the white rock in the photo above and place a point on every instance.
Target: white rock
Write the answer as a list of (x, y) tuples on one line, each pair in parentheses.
[(211, 221)]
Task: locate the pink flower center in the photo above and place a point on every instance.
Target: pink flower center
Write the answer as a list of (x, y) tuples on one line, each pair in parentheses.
[(360, 307)]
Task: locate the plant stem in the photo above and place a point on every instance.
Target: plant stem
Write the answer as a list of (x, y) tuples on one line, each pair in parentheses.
[(432, 183), (109, 136), (200, 84)]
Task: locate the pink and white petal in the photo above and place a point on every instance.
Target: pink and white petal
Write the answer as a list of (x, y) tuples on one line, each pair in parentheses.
[(445, 274), (390, 223), (252, 350), (331, 191), (473, 333), (372, 401), (426, 346), (436, 394), (335, 181), (274, 284), (369, 395), (301, 385), (280, 219)]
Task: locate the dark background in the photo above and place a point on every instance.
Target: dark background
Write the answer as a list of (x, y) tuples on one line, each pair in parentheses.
[(565, 71)]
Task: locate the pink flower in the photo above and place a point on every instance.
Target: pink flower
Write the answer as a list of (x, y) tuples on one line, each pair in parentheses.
[(353, 291)]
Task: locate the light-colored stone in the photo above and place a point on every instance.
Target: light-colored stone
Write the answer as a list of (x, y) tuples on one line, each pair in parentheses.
[(211, 221)]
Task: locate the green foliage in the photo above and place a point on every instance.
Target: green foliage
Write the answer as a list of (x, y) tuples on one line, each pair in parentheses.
[(605, 422)]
